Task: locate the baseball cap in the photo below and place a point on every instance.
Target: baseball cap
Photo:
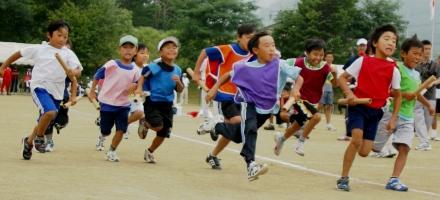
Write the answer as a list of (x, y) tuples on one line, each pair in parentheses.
[(361, 41), (166, 40), (128, 39)]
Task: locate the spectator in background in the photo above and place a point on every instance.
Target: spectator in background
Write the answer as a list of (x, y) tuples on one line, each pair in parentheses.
[(14, 86), (27, 80), (6, 81), (184, 94)]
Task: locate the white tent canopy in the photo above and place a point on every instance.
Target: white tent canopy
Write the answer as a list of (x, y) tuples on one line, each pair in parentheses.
[(8, 48)]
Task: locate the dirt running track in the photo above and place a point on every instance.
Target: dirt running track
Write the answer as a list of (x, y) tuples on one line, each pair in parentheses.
[(76, 171)]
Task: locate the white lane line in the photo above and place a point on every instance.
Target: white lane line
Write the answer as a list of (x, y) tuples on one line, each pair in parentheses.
[(291, 165), (303, 168)]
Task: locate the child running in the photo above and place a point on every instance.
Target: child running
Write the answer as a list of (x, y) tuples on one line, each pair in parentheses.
[(119, 78), (375, 75), (411, 54), (258, 96), (163, 78), (220, 61), (136, 107), (48, 80), (315, 73)]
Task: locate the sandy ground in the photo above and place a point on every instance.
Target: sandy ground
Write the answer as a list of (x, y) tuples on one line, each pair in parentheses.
[(76, 171)]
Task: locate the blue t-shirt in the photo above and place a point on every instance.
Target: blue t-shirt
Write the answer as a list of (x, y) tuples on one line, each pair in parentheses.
[(159, 78)]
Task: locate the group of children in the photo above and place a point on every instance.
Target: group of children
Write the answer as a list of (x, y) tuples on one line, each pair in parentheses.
[(246, 102)]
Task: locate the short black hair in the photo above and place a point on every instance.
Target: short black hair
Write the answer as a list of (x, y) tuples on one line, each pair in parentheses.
[(57, 24), (411, 42), (255, 40), (328, 52), (314, 44), (426, 42), (378, 32), (246, 29), (140, 47)]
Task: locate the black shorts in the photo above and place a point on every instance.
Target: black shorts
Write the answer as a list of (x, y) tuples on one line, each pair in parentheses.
[(302, 112), (159, 114), (230, 109)]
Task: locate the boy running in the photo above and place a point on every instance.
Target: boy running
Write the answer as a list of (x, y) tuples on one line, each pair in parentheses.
[(48, 80), (118, 81), (375, 75)]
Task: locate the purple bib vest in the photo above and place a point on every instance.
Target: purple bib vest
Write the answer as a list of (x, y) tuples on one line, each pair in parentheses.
[(257, 85)]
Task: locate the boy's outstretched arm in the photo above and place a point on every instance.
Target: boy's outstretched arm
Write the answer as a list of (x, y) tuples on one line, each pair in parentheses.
[(199, 62), (397, 98), (9, 61), (343, 79), (213, 91), (296, 89), (426, 103)]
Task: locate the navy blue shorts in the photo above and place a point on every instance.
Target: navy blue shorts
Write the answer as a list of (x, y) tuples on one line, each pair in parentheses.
[(365, 118), (118, 117), (230, 109)]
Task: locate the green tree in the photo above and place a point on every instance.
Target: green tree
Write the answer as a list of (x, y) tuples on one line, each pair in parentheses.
[(96, 29), (207, 23), (159, 14), (338, 22), (16, 21)]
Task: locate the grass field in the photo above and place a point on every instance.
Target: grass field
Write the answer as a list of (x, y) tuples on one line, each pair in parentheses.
[(76, 171)]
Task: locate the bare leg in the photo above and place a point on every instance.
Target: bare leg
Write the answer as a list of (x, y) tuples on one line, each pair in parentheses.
[(350, 152)]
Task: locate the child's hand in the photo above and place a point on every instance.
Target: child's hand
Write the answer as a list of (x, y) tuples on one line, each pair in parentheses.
[(73, 100), (2, 70), (391, 126), (431, 110), (350, 99), (210, 96), (92, 95), (296, 95), (196, 78)]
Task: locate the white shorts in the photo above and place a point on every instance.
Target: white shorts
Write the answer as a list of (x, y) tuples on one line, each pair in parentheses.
[(403, 134)]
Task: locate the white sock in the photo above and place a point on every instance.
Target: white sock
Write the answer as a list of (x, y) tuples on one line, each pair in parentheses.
[(434, 133)]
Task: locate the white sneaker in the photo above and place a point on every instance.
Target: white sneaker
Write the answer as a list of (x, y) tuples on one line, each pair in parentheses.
[(299, 147), (330, 127), (149, 157), (206, 127), (100, 143), (279, 141), (112, 157), (49, 146), (435, 138), (126, 134), (424, 147), (255, 170), (343, 138)]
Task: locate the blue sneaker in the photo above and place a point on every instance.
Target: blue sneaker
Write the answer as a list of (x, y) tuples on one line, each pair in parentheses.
[(395, 184), (342, 184)]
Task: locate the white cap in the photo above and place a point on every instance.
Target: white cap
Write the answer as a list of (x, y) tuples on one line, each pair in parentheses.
[(361, 41), (166, 40)]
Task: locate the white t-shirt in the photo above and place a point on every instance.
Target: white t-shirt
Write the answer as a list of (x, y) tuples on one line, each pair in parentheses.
[(355, 68), (48, 72)]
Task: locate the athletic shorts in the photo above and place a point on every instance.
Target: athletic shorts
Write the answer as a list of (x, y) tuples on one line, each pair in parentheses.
[(159, 114), (117, 117), (230, 109), (45, 101), (365, 118), (402, 134)]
